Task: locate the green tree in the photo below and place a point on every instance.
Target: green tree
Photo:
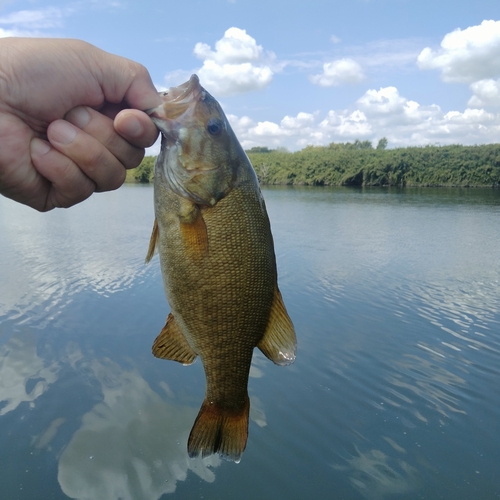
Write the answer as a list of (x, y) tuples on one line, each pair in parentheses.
[(382, 143)]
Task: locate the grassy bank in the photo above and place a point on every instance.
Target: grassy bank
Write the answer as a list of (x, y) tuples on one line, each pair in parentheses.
[(358, 164)]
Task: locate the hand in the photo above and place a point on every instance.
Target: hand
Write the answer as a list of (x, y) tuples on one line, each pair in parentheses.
[(65, 127)]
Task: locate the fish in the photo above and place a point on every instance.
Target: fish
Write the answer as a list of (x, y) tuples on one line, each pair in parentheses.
[(218, 264)]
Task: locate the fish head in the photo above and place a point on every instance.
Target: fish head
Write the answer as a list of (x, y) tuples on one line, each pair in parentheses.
[(200, 154)]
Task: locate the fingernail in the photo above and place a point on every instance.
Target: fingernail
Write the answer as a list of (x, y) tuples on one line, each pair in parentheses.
[(62, 132), (39, 147), (78, 116), (132, 127)]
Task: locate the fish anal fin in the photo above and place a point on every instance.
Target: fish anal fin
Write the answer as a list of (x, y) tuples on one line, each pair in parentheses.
[(153, 242), (219, 430), (279, 343), (172, 344), (195, 238)]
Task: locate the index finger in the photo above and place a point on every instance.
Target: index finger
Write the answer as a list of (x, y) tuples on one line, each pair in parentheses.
[(126, 80)]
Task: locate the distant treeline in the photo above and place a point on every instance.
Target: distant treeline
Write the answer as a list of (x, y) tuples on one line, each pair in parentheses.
[(359, 164)]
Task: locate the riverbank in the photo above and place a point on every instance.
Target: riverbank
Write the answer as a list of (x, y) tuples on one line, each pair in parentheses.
[(358, 164)]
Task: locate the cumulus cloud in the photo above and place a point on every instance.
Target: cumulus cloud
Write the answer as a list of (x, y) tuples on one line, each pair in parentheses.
[(377, 113), (486, 93), (382, 102), (466, 56), (295, 122), (388, 107), (345, 126), (236, 65), (339, 72)]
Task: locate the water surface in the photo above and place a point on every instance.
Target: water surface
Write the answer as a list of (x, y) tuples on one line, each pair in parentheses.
[(395, 295)]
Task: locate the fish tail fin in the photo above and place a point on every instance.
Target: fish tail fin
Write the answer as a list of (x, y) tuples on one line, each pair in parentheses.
[(219, 430)]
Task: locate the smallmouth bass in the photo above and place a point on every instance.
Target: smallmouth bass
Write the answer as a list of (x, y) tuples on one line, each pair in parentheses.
[(218, 264)]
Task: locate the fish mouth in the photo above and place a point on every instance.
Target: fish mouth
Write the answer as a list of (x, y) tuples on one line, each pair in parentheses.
[(176, 101)]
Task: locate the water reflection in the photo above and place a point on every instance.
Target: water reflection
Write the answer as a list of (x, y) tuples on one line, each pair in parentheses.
[(376, 475), (463, 309), (396, 301), (44, 440), (132, 444), (427, 381), (24, 376), (49, 258)]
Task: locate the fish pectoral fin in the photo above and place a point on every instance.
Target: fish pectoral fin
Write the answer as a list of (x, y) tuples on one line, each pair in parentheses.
[(153, 242), (279, 343), (194, 235), (172, 344)]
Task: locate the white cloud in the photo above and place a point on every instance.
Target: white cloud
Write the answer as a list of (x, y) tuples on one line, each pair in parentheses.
[(339, 72), (234, 48), (466, 55), (388, 107), (33, 19), (377, 113), (236, 65), (486, 93), (383, 102), (469, 117), (7, 33), (345, 126), (299, 121)]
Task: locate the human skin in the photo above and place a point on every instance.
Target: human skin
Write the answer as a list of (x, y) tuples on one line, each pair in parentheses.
[(70, 120)]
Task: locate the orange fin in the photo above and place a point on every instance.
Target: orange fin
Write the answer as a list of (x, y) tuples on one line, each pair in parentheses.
[(219, 430), (195, 237), (153, 242), (171, 344), (279, 343)]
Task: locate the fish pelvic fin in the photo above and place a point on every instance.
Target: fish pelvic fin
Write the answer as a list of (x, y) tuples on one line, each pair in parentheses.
[(172, 344), (153, 242), (279, 343), (219, 430)]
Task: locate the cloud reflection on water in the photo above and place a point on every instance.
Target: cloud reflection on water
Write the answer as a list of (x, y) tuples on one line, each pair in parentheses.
[(49, 258), (466, 312), (421, 378), (377, 476), (44, 440), (131, 445), (20, 364)]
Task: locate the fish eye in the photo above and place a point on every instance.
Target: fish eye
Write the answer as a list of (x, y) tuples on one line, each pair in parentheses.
[(214, 126)]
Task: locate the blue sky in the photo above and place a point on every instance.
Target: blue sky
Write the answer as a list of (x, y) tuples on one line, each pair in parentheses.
[(293, 73)]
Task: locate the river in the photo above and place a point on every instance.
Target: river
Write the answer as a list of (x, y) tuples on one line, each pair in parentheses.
[(395, 393)]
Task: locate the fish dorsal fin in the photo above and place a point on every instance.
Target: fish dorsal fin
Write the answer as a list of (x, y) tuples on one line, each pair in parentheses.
[(279, 343), (153, 242), (172, 344)]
